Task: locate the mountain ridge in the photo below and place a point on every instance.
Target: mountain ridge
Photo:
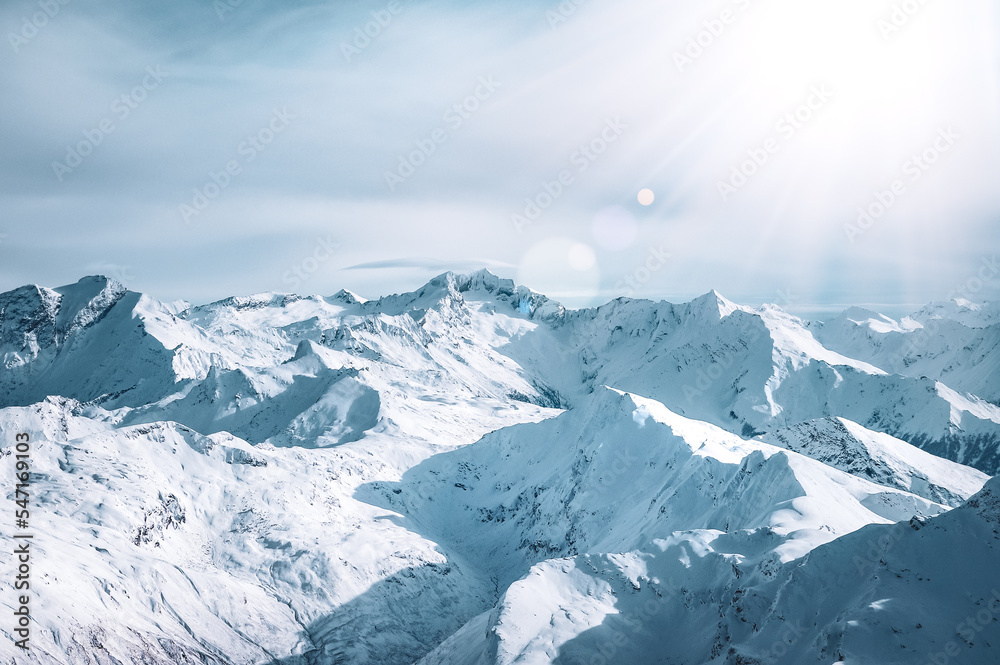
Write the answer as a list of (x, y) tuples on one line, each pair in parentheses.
[(472, 473)]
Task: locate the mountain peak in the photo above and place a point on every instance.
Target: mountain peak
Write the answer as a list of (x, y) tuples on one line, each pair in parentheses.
[(861, 316), (92, 283), (86, 301), (483, 280), (479, 286), (714, 304), (480, 280), (347, 297)]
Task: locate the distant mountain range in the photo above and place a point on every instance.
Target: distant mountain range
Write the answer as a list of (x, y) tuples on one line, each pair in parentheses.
[(473, 474)]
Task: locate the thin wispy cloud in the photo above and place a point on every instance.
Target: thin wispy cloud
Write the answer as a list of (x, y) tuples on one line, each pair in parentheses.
[(431, 264)]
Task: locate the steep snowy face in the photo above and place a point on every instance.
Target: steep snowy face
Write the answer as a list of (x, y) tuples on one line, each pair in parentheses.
[(86, 302), (880, 458), (27, 326), (85, 341)]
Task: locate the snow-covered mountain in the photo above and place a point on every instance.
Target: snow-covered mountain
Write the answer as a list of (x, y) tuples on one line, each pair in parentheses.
[(471, 473), (956, 343), (923, 591)]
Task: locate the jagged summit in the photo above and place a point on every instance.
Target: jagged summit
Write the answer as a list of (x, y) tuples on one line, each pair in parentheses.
[(454, 289), (92, 284), (715, 305), (484, 283), (347, 297), (87, 300), (477, 285), (483, 280)]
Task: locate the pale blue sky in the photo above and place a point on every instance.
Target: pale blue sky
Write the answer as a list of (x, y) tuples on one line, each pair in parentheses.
[(488, 105)]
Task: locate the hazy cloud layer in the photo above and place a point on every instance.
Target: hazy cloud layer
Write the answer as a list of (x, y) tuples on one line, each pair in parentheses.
[(202, 149)]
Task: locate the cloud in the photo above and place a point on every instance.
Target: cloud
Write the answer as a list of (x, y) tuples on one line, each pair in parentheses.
[(431, 264), (703, 101)]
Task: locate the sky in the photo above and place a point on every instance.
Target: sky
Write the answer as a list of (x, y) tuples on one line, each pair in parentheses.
[(809, 153)]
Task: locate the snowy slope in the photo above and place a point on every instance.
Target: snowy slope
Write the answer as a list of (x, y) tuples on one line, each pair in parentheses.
[(914, 592), (162, 545)]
